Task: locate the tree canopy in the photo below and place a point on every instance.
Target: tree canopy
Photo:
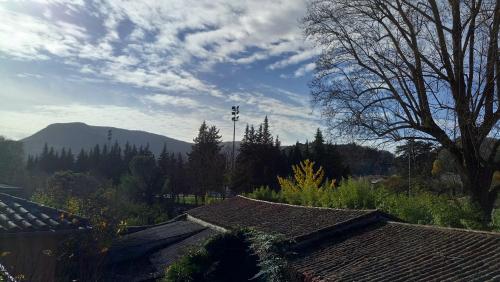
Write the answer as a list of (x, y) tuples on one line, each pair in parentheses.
[(420, 70)]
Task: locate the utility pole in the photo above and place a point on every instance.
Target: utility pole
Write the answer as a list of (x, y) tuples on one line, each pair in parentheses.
[(410, 149), (235, 111)]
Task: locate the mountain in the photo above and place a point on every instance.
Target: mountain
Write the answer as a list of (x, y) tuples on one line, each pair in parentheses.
[(79, 135)]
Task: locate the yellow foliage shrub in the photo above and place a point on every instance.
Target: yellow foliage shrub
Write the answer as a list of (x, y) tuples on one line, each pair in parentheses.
[(305, 187)]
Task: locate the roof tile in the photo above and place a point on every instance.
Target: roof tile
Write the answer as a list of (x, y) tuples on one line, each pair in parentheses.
[(20, 215), (289, 220), (389, 251)]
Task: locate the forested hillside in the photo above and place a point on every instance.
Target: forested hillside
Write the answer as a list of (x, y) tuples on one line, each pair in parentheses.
[(77, 136)]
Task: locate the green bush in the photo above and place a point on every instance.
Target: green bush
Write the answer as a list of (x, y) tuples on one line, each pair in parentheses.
[(265, 193), (353, 194), (271, 250), (496, 220), (190, 267), (225, 257)]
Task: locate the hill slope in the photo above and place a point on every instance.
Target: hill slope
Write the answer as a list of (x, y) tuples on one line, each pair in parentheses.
[(80, 135)]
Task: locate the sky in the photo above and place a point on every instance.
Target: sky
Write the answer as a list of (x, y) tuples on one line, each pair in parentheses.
[(158, 66)]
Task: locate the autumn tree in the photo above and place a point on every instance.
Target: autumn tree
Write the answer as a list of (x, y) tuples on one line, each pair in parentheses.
[(421, 70)]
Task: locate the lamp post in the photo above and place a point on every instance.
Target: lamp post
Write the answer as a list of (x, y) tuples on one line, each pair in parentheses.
[(234, 113)]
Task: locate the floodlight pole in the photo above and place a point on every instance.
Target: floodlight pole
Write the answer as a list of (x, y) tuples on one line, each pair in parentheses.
[(235, 111)]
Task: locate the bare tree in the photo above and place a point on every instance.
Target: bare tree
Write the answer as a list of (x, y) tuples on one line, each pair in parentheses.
[(414, 69)]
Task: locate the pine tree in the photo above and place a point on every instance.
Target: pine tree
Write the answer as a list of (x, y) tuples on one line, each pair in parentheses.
[(259, 161), (44, 161), (307, 153), (295, 154), (30, 164), (266, 137), (163, 160), (318, 147), (69, 162), (81, 164), (206, 162)]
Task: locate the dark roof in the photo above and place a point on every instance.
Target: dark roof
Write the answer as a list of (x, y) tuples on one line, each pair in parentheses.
[(19, 215), (289, 220), (11, 190), (328, 245), (398, 251), (143, 255), (7, 187)]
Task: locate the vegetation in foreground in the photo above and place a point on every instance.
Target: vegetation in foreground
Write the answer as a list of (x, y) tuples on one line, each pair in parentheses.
[(260, 258), (308, 187)]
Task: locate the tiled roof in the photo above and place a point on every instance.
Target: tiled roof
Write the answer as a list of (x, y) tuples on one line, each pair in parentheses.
[(138, 243), (389, 251), (289, 220), (143, 255), (329, 244), (20, 215)]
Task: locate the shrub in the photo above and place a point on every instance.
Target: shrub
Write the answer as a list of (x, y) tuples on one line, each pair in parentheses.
[(190, 267), (353, 194), (270, 249), (265, 193), (225, 257), (306, 187), (421, 207), (495, 222)]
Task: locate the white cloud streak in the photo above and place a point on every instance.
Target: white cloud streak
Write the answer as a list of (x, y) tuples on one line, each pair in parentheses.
[(305, 69), (164, 49)]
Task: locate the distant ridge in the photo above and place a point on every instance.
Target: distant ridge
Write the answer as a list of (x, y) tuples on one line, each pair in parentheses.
[(78, 135)]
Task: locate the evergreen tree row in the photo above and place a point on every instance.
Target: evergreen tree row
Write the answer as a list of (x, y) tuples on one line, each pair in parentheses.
[(260, 160), (105, 162)]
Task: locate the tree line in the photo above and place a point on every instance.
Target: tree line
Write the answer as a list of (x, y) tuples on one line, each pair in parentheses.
[(206, 169)]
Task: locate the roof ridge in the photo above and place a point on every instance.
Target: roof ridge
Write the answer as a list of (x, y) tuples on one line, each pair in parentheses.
[(342, 227), (306, 207), (446, 228)]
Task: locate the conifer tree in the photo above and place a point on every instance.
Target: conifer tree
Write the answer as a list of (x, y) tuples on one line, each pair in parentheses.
[(206, 162), (81, 164), (259, 161)]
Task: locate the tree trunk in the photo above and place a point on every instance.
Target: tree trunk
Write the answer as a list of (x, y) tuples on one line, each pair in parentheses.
[(477, 181)]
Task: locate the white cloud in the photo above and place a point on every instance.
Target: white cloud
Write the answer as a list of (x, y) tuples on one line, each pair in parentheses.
[(305, 69), (168, 48), (29, 75), (163, 100), (295, 59), (212, 32), (29, 38)]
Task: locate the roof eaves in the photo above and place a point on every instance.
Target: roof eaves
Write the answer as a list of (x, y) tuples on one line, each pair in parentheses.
[(206, 223), (305, 207), (339, 228)]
